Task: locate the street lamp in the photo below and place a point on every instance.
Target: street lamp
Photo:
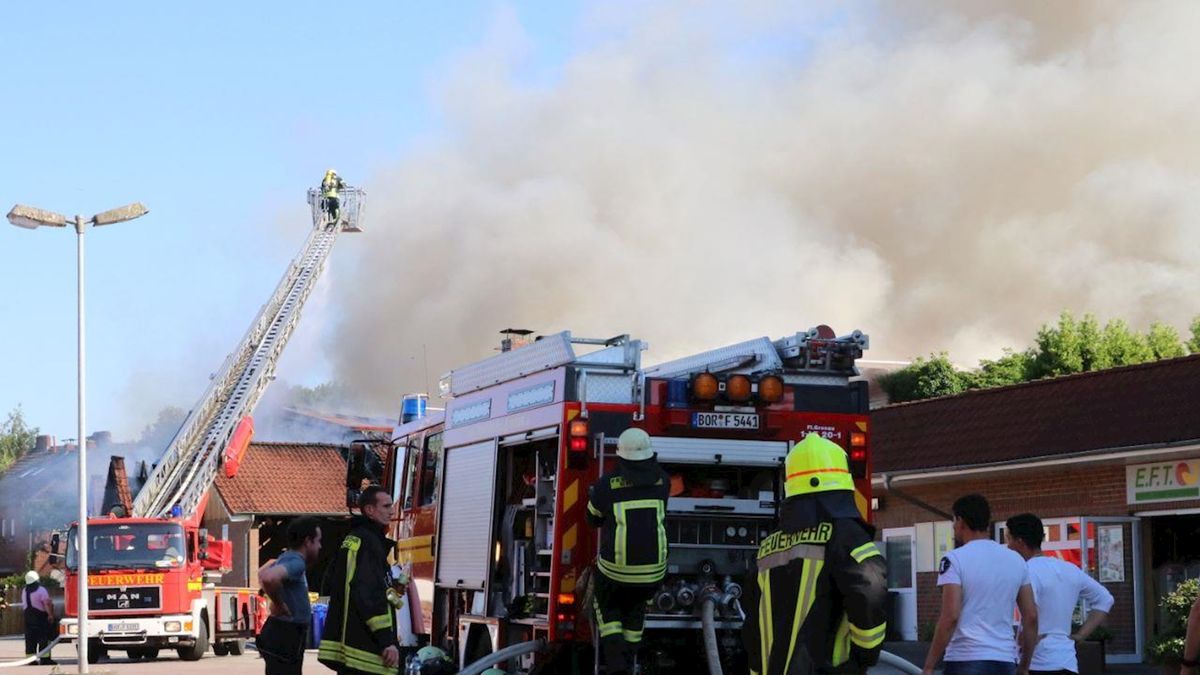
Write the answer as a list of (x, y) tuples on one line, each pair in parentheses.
[(31, 218)]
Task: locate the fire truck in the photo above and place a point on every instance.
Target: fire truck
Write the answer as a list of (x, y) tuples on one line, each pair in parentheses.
[(152, 569), (491, 492)]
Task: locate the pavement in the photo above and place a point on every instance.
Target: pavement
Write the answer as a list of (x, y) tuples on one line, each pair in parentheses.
[(12, 648)]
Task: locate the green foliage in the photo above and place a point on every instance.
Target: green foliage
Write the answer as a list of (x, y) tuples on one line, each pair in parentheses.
[(1167, 647), (1011, 368), (1164, 342), (1066, 347), (925, 378), (16, 438)]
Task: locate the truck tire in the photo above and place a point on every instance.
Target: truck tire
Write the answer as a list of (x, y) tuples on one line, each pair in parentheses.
[(96, 651), (237, 647), (220, 648), (150, 653), (196, 651)]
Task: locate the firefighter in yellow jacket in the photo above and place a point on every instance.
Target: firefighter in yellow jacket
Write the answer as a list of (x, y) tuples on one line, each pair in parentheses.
[(815, 603)]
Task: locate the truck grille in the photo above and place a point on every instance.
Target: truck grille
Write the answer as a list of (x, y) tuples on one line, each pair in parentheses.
[(125, 598)]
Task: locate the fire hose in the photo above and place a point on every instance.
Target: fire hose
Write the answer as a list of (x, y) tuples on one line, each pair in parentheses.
[(505, 654), (30, 659), (890, 659), (710, 635)]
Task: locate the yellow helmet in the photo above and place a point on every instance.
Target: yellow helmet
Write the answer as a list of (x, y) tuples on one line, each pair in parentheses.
[(330, 172), (816, 464)]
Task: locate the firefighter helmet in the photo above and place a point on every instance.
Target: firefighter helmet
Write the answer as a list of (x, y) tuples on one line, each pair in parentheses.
[(634, 445), (31, 577), (431, 660), (814, 465)]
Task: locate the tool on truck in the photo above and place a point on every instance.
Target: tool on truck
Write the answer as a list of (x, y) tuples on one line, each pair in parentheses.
[(152, 567), (492, 492)]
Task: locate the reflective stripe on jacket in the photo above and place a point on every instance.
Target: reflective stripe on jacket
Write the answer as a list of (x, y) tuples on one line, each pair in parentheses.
[(360, 623), (629, 505), (816, 601)]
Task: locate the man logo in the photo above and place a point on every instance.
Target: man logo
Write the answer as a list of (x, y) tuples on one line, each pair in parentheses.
[(945, 564)]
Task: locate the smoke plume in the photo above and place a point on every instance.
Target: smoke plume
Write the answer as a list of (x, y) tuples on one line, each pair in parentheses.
[(940, 175)]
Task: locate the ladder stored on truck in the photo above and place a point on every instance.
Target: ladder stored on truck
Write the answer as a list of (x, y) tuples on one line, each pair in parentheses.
[(189, 465)]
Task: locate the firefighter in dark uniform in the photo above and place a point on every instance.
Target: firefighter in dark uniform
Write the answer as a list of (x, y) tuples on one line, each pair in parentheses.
[(816, 601), (360, 633), (331, 186), (629, 505)]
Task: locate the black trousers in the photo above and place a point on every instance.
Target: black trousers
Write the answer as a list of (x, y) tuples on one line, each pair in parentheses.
[(281, 644), (38, 632), (332, 208), (620, 611)]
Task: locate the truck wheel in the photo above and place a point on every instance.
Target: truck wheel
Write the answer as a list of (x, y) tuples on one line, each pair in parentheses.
[(220, 648), (150, 653), (237, 647), (196, 651), (134, 654), (96, 651)]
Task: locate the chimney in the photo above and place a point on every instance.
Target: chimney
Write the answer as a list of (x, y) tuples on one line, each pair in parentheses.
[(44, 443), (91, 444), (514, 338)]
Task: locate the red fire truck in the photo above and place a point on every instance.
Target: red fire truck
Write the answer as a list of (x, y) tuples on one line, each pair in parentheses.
[(492, 492), (152, 570)]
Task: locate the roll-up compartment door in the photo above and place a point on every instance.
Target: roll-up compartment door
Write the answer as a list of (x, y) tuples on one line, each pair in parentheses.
[(466, 519)]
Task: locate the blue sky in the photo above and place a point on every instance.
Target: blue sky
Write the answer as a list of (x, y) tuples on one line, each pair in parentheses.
[(217, 117)]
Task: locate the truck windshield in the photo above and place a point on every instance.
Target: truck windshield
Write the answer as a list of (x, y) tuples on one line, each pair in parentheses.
[(129, 546)]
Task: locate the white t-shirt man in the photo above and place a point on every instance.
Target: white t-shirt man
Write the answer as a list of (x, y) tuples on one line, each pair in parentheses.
[(990, 576), (1057, 587)]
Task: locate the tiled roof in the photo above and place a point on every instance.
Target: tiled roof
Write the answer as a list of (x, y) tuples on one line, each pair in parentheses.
[(1144, 405), (287, 478)]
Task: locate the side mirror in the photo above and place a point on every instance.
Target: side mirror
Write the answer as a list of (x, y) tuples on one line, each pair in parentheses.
[(55, 540), (203, 536)]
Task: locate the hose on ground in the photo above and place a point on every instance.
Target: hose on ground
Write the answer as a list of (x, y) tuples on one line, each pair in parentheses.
[(710, 635), (505, 654), (890, 659), (30, 659)]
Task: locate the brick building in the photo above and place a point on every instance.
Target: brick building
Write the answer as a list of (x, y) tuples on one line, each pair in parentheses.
[(1110, 461)]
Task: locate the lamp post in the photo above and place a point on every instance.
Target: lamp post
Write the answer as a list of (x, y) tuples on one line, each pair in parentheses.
[(32, 218)]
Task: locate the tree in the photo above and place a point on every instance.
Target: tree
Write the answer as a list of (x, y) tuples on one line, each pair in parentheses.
[(16, 438), (1124, 346), (1164, 342), (925, 378), (1011, 368), (1067, 347), (158, 434)]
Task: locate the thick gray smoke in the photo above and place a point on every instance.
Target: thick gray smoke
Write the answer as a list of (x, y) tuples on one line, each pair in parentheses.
[(940, 175)]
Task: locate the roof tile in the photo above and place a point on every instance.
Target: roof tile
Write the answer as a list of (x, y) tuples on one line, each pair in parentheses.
[(287, 478)]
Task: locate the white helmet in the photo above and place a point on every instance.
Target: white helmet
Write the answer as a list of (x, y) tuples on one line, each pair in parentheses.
[(31, 577), (634, 445)]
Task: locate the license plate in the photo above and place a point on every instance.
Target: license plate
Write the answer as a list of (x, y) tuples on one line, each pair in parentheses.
[(720, 420), (122, 628)]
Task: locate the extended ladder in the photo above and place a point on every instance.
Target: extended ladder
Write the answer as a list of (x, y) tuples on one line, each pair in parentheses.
[(189, 465)]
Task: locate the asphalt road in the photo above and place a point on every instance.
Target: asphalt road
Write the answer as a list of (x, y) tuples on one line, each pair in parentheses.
[(14, 648)]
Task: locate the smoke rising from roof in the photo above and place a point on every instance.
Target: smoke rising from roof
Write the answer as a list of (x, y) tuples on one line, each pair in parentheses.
[(940, 175)]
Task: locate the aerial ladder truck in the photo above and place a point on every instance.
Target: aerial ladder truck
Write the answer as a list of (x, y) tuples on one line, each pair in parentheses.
[(153, 569)]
